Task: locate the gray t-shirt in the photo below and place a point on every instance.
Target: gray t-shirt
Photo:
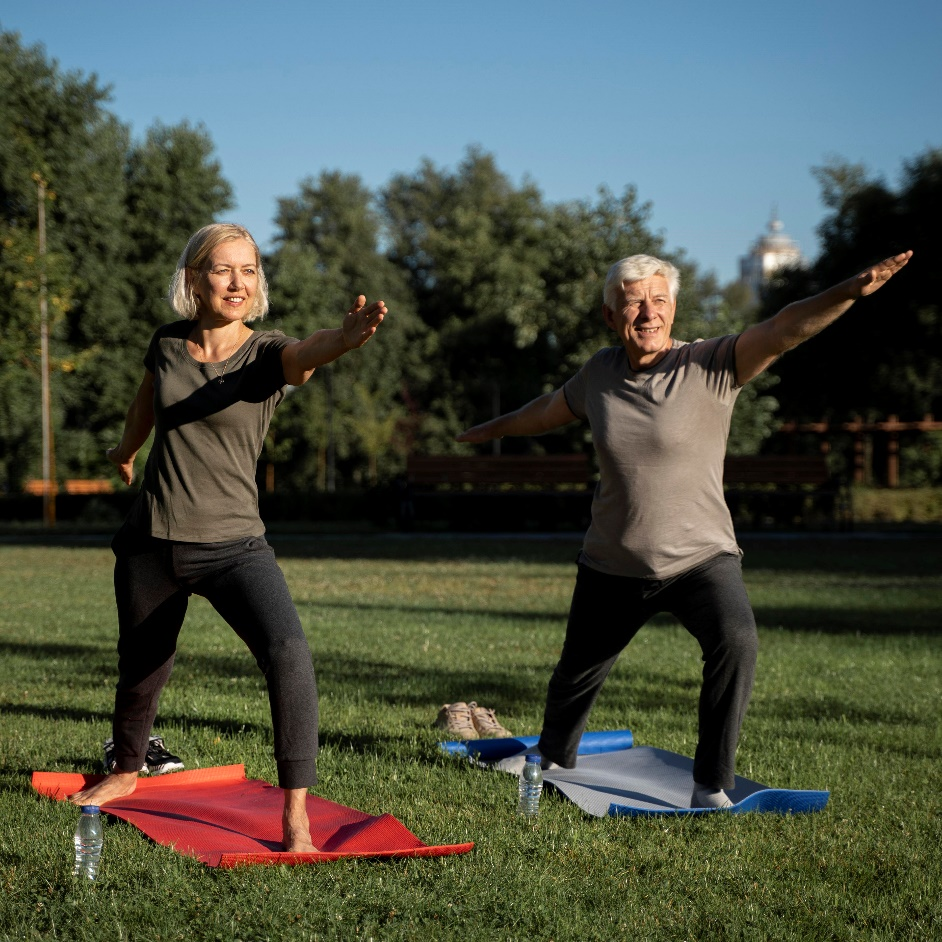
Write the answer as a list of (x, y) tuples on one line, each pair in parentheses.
[(199, 481), (660, 436)]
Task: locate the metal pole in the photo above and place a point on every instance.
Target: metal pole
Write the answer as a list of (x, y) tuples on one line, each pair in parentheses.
[(49, 496), (495, 410), (331, 450)]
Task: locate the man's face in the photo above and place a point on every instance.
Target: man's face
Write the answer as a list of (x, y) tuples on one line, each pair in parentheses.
[(642, 318)]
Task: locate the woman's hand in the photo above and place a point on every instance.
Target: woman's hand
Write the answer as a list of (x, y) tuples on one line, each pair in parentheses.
[(124, 465), (360, 323)]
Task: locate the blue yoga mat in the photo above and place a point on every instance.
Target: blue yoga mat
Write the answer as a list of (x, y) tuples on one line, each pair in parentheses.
[(614, 778), (492, 750)]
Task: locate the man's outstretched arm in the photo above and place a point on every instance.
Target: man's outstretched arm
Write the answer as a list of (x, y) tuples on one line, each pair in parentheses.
[(762, 344), (540, 415)]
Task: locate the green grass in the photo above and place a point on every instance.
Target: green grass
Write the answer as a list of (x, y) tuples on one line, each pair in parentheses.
[(847, 698)]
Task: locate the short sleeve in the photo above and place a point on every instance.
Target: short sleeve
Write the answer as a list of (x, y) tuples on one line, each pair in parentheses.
[(717, 358), (574, 390), (272, 343), (150, 358)]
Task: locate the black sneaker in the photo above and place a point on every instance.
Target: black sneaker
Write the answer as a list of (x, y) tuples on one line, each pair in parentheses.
[(109, 762), (159, 761)]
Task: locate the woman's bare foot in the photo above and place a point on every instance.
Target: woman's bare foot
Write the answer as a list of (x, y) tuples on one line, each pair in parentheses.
[(295, 826), (113, 786)]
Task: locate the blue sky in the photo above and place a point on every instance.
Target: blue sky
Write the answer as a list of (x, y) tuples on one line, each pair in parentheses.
[(714, 112)]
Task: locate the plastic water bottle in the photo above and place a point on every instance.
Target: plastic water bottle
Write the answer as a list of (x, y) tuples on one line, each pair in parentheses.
[(88, 841), (531, 787)]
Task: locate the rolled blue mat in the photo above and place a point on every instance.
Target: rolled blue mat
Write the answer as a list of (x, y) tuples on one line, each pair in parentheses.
[(492, 750)]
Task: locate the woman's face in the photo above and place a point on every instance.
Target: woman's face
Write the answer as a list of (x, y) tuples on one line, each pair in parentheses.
[(225, 288)]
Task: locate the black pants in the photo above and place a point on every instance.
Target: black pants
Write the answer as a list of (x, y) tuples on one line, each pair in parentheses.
[(607, 611), (153, 581)]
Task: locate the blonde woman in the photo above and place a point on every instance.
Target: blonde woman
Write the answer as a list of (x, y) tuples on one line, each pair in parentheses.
[(210, 386)]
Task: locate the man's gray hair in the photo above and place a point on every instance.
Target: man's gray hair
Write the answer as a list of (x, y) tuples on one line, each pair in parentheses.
[(636, 268)]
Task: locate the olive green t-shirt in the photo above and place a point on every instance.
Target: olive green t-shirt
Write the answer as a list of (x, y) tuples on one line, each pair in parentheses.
[(660, 437), (199, 480)]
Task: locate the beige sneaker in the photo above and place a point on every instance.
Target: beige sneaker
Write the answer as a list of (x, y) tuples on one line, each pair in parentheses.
[(455, 718), (487, 724)]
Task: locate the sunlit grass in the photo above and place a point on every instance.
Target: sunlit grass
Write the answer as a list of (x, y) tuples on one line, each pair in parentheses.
[(847, 698)]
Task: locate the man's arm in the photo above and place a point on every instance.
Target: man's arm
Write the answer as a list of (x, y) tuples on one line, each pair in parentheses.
[(300, 359), (759, 346), (137, 429), (540, 415)]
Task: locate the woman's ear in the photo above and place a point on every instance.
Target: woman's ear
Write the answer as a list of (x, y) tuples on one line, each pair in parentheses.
[(192, 280)]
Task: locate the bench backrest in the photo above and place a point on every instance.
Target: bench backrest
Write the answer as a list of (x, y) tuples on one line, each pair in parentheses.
[(484, 470), (776, 469)]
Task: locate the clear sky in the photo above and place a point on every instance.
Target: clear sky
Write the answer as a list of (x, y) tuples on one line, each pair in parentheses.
[(716, 112)]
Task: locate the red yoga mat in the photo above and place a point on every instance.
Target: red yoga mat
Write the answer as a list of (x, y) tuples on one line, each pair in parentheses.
[(222, 818)]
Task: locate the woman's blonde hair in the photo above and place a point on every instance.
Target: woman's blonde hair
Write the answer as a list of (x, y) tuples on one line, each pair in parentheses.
[(193, 260)]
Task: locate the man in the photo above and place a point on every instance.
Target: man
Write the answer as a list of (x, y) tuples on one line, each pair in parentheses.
[(661, 537)]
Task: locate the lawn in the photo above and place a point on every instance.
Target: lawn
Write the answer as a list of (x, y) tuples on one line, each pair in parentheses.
[(847, 698)]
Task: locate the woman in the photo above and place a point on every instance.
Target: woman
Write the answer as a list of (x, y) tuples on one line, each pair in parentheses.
[(210, 387)]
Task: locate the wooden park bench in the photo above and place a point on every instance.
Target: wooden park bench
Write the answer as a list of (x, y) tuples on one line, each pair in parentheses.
[(36, 486), (497, 491), (784, 490), (496, 472), (762, 491)]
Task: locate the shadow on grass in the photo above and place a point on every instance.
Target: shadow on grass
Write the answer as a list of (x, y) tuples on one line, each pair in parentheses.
[(864, 621), (832, 708), (508, 615), (222, 727), (48, 649)]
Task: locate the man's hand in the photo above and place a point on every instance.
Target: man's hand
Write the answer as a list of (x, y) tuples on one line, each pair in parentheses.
[(872, 279), (360, 323), (477, 434), (760, 345)]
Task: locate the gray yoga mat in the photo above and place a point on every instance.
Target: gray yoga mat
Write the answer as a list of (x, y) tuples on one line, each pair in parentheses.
[(644, 780)]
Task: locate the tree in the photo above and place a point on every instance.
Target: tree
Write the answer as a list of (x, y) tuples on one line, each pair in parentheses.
[(512, 287), (327, 251), (173, 186), (54, 125), (117, 219), (885, 355), (473, 247)]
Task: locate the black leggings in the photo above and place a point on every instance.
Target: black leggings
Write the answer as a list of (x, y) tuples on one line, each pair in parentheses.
[(153, 580), (607, 611)]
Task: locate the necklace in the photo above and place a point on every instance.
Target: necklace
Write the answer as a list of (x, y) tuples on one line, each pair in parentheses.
[(219, 376)]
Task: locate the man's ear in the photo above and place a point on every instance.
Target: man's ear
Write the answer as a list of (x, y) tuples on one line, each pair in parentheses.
[(608, 316)]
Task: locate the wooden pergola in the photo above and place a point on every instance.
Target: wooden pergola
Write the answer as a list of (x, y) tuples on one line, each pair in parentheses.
[(859, 429)]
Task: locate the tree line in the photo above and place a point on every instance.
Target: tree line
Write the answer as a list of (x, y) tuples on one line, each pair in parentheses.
[(494, 292)]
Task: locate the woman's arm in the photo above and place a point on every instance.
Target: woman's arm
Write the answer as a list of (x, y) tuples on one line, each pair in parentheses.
[(300, 359), (137, 429), (540, 415)]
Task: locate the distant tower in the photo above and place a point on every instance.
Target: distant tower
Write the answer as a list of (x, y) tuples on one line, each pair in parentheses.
[(772, 251)]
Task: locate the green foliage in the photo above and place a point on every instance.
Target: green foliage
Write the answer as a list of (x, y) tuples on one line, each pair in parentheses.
[(912, 505), (885, 356), (494, 294), (327, 253), (846, 699), (117, 216)]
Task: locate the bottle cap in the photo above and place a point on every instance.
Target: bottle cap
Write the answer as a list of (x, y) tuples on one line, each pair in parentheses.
[(534, 758), (90, 809)]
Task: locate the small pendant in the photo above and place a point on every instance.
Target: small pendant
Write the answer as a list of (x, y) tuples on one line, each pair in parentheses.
[(221, 380)]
